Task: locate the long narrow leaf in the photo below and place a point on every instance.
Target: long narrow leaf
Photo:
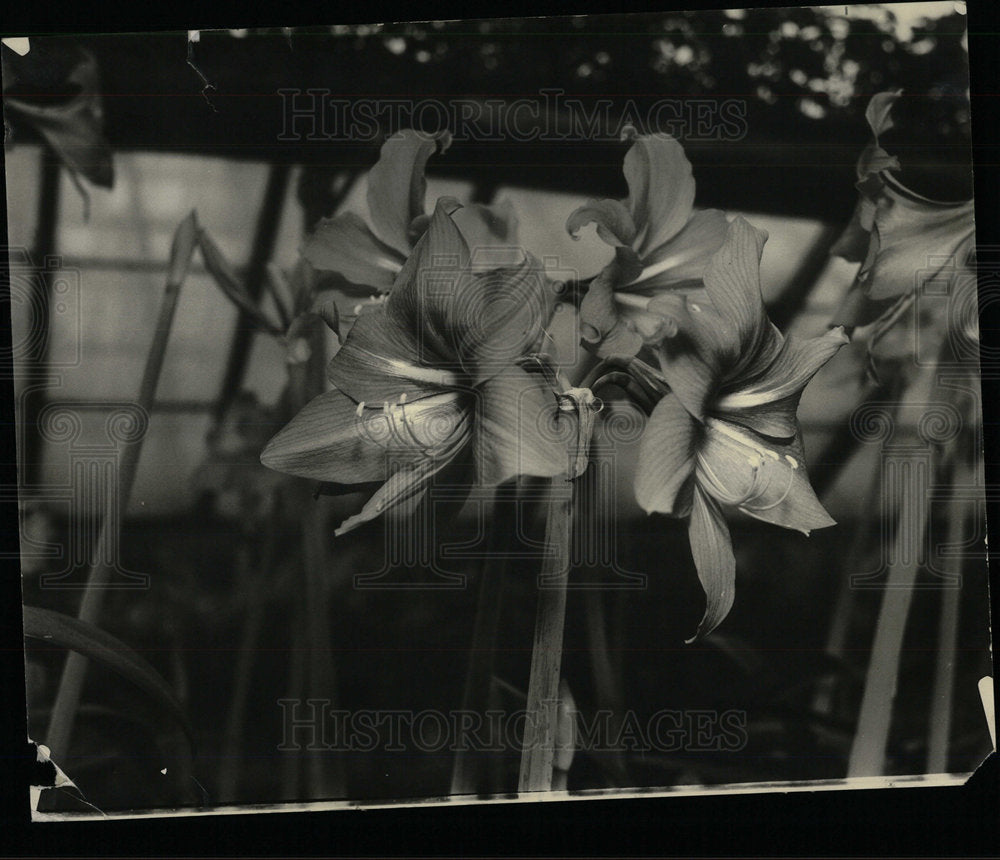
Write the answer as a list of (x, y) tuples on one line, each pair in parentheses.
[(102, 647)]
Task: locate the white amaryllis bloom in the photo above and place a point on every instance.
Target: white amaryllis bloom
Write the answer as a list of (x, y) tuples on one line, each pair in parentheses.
[(436, 376), (661, 244), (725, 432), (900, 237)]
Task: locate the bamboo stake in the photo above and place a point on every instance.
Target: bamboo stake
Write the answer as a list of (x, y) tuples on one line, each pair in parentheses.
[(101, 570), (540, 729)]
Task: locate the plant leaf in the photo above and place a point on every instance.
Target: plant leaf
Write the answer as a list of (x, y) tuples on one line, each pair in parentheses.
[(102, 647)]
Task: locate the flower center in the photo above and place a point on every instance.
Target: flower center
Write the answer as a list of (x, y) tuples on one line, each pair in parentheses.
[(432, 425), (763, 464)]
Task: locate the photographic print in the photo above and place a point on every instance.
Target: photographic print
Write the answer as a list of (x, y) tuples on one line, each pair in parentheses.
[(497, 410)]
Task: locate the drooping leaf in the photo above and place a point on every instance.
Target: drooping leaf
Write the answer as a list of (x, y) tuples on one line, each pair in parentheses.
[(230, 284), (101, 647)]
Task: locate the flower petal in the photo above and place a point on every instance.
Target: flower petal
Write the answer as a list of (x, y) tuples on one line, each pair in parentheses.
[(344, 244), (406, 484), (322, 442), (685, 257), (857, 309), (915, 240), (666, 456), (852, 245), (488, 226), (732, 281), (424, 295), (872, 161), (601, 319), (878, 111), (712, 550), (661, 190), (397, 186), (379, 361), (519, 430), (499, 317), (614, 221), (781, 384), (764, 479), (693, 359)]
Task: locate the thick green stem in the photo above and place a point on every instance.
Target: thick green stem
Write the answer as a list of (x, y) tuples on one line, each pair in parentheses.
[(103, 561), (538, 751)]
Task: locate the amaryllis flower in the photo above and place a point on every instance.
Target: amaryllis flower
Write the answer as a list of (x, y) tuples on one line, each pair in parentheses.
[(725, 432), (436, 375), (897, 235), (371, 256), (661, 243)]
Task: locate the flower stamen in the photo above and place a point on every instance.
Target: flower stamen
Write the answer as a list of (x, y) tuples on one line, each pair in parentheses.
[(784, 495), (718, 489)]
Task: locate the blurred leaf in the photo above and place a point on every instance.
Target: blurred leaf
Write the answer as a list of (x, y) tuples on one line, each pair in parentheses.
[(182, 250), (230, 284), (102, 647), (74, 128)]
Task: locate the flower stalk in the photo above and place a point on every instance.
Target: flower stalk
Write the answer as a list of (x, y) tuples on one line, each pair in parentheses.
[(67, 700), (540, 730), (868, 750), (466, 773)]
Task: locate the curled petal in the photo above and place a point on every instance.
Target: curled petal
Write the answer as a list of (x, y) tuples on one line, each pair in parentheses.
[(712, 550), (874, 160), (666, 456), (615, 224), (661, 190), (406, 484), (322, 442), (879, 109), (519, 430), (602, 322), (344, 244), (397, 186), (764, 479)]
